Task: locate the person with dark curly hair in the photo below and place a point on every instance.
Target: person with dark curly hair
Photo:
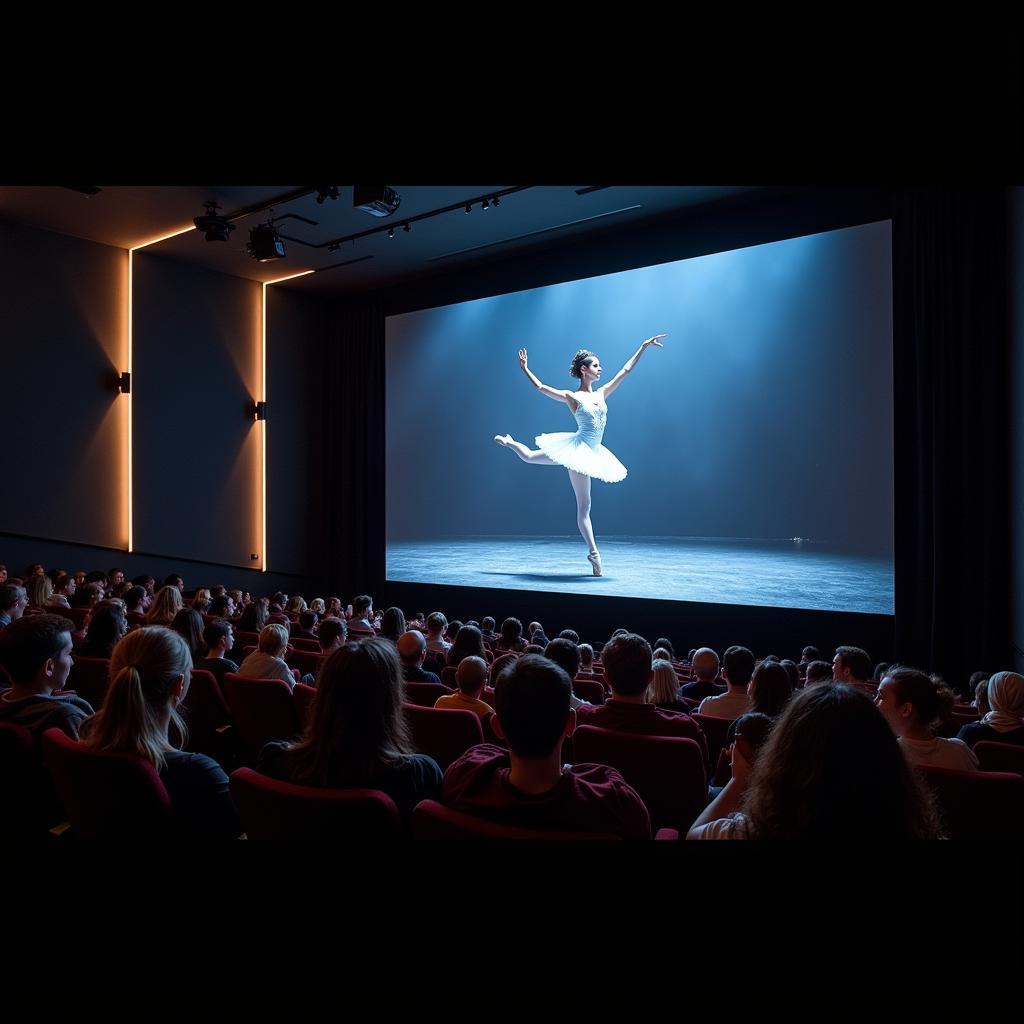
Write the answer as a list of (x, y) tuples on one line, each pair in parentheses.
[(581, 453), (831, 769)]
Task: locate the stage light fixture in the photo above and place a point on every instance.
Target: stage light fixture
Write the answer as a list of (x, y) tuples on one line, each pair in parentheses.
[(326, 192), (265, 244), (215, 227)]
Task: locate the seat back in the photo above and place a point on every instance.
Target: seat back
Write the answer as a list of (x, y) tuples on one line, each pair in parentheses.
[(262, 710), (306, 661), (978, 805), (1000, 757), (303, 696), (270, 809), (89, 678), (716, 731), (106, 795), (206, 712), (76, 615), (431, 820), (28, 803), (425, 694), (589, 690), (666, 771), (443, 734)]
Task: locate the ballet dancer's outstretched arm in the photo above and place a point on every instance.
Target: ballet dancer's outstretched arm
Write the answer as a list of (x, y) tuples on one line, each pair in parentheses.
[(630, 363), (558, 396)]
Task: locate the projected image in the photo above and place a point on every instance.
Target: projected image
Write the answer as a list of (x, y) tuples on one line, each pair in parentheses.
[(749, 440)]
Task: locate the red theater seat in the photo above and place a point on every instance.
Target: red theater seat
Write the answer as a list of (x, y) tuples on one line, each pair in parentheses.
[(425, 694), (262, 710), (107, 796), (979, 805), (89, 678), (270, 809), (444, 735), (431, 820), (667, 771), (1000, 757)]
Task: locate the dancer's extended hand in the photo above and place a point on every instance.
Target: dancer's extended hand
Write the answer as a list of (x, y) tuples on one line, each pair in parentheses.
[(522, 358), (655, 341)]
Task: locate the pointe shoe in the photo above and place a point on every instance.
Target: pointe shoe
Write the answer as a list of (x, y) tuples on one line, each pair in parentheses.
[(594, 558)]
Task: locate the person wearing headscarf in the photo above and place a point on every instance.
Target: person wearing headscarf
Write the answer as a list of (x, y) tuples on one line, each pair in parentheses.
[(1004, 723)]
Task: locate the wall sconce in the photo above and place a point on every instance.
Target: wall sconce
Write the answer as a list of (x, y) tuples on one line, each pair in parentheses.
[(258, 410), (124, 383)]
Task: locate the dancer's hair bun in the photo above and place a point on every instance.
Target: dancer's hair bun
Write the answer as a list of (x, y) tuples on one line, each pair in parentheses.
[(578, 360)]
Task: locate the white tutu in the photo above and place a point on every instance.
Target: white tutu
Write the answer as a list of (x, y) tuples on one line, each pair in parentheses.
[(573, 452)]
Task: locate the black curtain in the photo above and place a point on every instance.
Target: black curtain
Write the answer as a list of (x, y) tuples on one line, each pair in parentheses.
[(353, 445), (952, 430)]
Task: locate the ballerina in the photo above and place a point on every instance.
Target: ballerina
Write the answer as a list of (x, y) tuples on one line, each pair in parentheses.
[(581, 453)]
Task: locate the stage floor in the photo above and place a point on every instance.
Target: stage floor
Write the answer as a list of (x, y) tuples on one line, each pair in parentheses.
[(778, 574)]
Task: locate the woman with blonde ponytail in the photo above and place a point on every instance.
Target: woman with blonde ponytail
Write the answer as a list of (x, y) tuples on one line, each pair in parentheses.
[(149, 677)]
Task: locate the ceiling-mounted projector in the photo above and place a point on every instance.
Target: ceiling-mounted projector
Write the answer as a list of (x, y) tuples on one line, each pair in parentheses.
[(377, 200)]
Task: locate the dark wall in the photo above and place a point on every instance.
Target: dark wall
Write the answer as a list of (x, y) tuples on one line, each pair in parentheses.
[(196, 456), (62, 460), (19, 552), (295, 471), (197, 450)]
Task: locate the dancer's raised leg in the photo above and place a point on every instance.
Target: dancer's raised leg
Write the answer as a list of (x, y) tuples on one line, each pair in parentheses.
[(581, 487), (534, 455)]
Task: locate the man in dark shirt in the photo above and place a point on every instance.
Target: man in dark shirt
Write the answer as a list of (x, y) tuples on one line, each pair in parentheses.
[(333, 634), (628, 670), (852, 665), (362, 616), (219, 638), (412, 649), (487, 629), (527, 785), (304, 630), (705, 668), (35, 653)]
